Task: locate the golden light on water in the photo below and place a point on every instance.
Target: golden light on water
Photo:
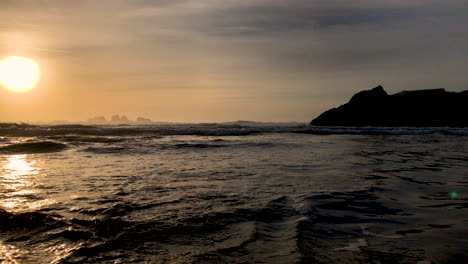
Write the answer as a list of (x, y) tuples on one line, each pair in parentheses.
[(19, 74), (17, 165), (18, 179), (10, 254)]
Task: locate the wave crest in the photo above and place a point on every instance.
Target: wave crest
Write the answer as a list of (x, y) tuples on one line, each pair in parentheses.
[(33, 147)]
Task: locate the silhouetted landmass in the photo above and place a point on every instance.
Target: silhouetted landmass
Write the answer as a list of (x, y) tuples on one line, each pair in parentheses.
[(142, 120), (97, 120), (116, 119), (428, 108)]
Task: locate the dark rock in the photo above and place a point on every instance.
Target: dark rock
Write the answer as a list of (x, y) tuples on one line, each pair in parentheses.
[(431, 108), (97, 120), (142, 120), (124, 119), (368, 95), (116, 119)]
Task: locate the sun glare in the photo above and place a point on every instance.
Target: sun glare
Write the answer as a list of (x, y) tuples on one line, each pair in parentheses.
[(19, 74)]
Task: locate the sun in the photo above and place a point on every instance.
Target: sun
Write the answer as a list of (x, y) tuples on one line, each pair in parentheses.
[(19, 74)]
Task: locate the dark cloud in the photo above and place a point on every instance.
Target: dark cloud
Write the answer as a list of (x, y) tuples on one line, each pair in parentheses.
[(335, 36), (267, 20)]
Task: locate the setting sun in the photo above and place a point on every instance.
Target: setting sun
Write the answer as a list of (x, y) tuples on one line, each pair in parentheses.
[(19, 74)]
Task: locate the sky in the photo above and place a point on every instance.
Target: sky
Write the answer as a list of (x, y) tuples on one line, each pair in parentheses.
[(226, 60)]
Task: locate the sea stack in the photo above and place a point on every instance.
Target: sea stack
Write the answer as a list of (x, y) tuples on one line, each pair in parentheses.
[(417, 108)]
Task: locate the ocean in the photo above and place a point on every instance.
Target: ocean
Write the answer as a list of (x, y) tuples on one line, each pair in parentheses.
[(240, 192)]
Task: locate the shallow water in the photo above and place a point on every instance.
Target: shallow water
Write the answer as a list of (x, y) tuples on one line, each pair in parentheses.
[(225, 193)]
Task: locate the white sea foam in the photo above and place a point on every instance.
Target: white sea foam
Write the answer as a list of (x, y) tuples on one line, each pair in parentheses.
[(223, 129), (360, 242), (368, 233)]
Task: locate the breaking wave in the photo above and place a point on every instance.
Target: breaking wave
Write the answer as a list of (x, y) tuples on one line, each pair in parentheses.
[(32, 147), (213, 130)]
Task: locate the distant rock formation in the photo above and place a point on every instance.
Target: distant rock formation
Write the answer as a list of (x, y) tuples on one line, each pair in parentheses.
[(418, 108), (96, 120), (116, 119), (142, 120)]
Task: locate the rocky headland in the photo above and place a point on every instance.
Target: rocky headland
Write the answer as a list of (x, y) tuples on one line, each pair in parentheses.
[(417, 108)]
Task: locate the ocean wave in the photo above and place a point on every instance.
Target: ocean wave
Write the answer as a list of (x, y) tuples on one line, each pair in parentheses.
[(266, 225), (20, 226), (129, 131), (33, 147), (197, 145), (107, 150), (72, 126), (32, 230), (397, 131), (15, 125), (344, 222), (87, 139), (152, 146), (216, 129), (257, 238)]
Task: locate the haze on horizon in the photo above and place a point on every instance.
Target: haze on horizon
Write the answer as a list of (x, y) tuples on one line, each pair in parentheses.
[(210, 61)]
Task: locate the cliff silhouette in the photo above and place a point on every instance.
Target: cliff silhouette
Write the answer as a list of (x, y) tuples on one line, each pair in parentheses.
[(418, 108)]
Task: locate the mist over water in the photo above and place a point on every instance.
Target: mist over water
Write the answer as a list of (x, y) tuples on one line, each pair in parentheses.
[(232, 193)]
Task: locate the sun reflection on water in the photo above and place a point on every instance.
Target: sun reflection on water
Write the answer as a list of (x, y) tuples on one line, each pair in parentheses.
[(18, 176), (9, 254), (17, 166)]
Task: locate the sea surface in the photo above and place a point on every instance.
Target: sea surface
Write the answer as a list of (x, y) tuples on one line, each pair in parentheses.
[(240, 192)]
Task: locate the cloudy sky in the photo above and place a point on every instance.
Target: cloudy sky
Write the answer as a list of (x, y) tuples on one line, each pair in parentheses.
[(225, 60)]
